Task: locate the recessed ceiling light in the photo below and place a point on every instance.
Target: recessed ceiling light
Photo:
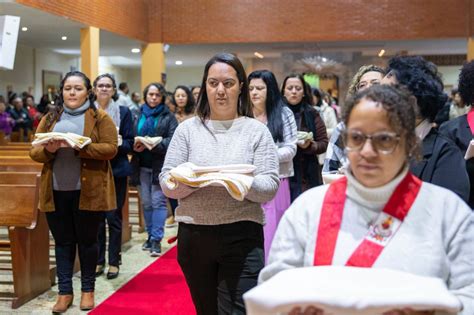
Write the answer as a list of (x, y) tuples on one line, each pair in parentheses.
[(24, 28), (258, 55), (64, 38), (135, 50), (382, 52), (324, 59), (178, 62)]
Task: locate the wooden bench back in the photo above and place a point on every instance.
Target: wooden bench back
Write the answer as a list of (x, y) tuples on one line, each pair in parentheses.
[(14, 153), (20, 167), (19, 206), (18, 178), (9, 147)]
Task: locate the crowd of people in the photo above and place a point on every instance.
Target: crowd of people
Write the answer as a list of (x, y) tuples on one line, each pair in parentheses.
[(395, 146)]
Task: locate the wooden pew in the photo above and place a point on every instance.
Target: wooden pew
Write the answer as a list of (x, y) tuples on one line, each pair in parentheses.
[(10, 147), (135, 194), (29, 241), (10, 166), (18, 178), (21, 152)]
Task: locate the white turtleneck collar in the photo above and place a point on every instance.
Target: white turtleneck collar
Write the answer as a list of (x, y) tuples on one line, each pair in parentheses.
[(373, 199)]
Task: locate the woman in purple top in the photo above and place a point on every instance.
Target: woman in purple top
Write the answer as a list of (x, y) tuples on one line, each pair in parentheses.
[(6, 121)]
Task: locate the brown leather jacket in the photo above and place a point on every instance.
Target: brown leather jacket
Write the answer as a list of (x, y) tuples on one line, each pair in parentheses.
[(97, 183)]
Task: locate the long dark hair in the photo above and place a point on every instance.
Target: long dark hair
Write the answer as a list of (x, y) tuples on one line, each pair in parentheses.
[(114, 85), (59, 102), (189, 107), (306, 101), (273, 103), (244, 108)]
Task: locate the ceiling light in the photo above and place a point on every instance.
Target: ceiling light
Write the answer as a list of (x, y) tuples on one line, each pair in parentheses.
[(24, 28), (324, 59), (64, 38), (258, 55), (178, 62), (135, 50), (382, 52)]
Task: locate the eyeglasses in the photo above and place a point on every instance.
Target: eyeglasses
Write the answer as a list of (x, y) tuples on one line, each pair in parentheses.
[(104, 86), (382, 142), (366, 84)]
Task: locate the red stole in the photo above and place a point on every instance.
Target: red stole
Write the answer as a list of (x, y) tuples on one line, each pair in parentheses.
[(470, 120), (380, 233)]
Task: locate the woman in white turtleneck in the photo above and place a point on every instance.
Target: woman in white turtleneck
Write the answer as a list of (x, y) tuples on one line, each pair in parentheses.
[(430, 234)]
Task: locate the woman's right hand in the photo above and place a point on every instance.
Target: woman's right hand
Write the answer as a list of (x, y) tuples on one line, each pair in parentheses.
[(138, 147), (53, 145), (310, 310)]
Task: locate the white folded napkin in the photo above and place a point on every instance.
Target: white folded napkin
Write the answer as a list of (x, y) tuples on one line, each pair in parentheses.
[(72, 139), (339, 290), (302, 136), (470, 151), (149, 142), (237, 179)]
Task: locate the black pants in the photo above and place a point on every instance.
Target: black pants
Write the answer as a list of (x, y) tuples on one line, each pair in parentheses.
[(73, 228), (174, 205), (114, 221), (220, 263)]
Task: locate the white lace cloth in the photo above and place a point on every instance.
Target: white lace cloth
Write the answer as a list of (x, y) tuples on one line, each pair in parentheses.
[(339, 290), (72, 139), (237, 179)]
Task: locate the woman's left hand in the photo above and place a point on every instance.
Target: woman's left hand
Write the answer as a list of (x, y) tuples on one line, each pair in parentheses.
[(408, 311), (306, 144), (138, 147)]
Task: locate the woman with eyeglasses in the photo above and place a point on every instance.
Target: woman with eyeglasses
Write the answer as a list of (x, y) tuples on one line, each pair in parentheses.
[(220, 239), (335, 158), (298, 98), (155, 120), (105, 90), (421, 228)]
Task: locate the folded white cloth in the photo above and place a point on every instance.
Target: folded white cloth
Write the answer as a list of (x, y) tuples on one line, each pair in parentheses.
[(470, 151), (148, 142), (72, 139), (237, 179), (119, 140), (339, 290), (302, 136), (329, 178)]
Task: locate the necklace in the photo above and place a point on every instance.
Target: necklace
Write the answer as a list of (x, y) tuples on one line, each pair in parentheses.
[(367, 218)]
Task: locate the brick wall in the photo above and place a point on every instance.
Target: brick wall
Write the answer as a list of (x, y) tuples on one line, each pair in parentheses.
[(224, 21), (124, 17)]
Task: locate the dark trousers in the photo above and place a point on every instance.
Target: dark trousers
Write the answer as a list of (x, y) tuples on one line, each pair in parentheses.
[(174, 205), (114, 221), (220, 263), (73, 228)]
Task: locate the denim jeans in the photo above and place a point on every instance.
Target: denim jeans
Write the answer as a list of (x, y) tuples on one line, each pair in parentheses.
[(73, 228), (154, 205)]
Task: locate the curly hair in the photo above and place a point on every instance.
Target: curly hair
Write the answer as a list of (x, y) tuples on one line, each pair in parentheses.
[(466, 83), (356, 79), (399, 104), (423, 80)]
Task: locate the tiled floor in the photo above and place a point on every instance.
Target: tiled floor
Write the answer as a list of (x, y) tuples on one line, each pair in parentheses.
[(134, 259)]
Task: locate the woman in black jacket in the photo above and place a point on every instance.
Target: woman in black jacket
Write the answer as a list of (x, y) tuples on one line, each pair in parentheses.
[(155, 120), (442, 162), (105, 90)]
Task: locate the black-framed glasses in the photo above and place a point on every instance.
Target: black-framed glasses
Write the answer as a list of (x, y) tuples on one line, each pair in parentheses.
[(383, 142)]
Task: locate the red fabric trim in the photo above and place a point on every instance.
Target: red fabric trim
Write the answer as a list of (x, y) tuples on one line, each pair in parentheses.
[(332, 210)]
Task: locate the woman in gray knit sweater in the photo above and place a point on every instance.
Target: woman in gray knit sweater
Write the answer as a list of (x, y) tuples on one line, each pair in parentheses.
[(220, 247)]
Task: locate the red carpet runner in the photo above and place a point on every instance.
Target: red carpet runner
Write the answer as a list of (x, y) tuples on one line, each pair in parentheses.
[(159, 289)]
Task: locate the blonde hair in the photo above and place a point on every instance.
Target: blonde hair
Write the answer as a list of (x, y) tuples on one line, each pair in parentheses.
[(356, 79)]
